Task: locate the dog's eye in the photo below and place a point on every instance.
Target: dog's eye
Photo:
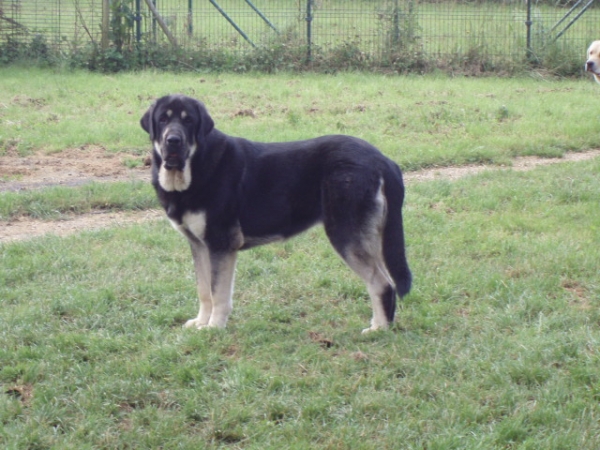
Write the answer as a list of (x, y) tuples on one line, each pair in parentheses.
[(163, 119), (187, 119)]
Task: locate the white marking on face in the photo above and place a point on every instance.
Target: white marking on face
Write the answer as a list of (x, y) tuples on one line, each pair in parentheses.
[(183, 114), (169, 112), (165, 132), (175, 180)]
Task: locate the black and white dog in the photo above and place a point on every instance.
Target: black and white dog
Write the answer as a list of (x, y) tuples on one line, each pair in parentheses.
[(226, 194)]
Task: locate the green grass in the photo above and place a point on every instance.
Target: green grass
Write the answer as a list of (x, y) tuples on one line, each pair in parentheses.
[(56, 202), (495, 347), (418, 121)]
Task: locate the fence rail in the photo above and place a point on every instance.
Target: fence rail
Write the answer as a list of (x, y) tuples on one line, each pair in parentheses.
[(443, 29)]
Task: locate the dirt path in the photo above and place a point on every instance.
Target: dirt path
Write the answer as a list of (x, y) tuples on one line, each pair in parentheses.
[(78, 166), (70, 167), (521, 163)]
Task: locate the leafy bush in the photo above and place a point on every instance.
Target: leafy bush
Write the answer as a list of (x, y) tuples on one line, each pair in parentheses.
[(36, 51)]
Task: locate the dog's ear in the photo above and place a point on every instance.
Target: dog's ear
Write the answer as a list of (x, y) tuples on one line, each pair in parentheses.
[(206, 122), (147, 122)]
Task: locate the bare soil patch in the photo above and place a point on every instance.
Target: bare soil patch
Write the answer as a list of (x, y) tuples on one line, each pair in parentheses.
[(78, 166), (69, 168), (521, 163), (26, 228)]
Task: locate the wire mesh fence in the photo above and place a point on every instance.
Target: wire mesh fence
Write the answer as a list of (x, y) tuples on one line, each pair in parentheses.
[(372, 29)]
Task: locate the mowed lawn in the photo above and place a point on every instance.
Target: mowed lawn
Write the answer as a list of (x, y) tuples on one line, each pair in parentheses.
[(496, 347)]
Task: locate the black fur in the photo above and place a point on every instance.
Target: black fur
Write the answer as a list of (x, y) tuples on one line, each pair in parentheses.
[(252, 193)]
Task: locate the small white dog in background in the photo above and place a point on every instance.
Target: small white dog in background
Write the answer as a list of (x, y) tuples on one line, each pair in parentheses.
[(593, 60)]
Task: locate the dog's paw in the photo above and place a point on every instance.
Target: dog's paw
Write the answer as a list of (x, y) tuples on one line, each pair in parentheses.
[(200, 324), (373, 328), (195, 323)]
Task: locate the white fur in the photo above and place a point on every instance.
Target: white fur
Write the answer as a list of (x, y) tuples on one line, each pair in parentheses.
[(376, 274), (202, 268), (593, 60), (373, 271), (194, 223), (175, 180), (215, 303), (222, 293), (215, 295)]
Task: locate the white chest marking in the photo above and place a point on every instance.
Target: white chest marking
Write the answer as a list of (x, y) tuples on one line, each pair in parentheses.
[(194, 223)]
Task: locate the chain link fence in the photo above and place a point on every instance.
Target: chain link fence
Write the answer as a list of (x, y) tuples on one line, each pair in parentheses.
[(377, 31)]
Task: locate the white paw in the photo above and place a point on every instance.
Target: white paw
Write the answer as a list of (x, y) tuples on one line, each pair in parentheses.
[(194, 323), (217, 323), (374, 328)]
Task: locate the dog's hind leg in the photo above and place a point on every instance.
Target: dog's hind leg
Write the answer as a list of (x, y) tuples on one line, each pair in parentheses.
[(355, 226), (370, 267)]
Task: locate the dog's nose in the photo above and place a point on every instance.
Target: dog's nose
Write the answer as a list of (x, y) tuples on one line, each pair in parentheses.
[(589, 65), (173, 140)]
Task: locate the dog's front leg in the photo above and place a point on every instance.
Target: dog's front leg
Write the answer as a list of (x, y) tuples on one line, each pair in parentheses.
[(202, 267), (222, 276)]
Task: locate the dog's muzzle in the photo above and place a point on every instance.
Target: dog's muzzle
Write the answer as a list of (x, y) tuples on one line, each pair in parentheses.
[(590, 66), (173, 152)]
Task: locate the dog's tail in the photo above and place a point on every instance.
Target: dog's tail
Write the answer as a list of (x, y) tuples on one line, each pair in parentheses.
[(394, 253)]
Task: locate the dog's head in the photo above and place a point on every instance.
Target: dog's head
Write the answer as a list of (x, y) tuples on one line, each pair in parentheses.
[(177, 125), (593, 60)]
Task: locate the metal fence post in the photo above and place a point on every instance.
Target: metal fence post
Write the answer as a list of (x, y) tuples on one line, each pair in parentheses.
[(396, 38), (154, 34), (309, 19), (105, 24), (190, 18), (138, 21), (528, 24)]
